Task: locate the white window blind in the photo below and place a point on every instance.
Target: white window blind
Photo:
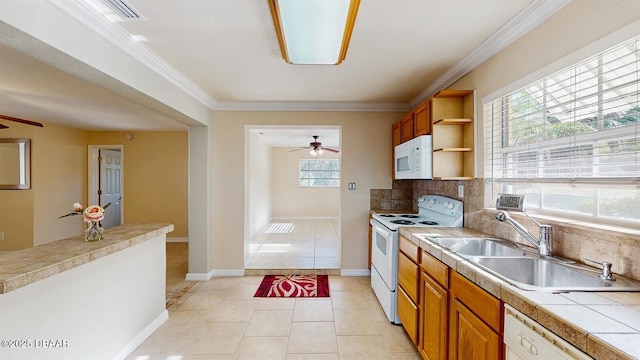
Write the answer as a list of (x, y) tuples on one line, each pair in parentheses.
[(319, 173), (579, 126)]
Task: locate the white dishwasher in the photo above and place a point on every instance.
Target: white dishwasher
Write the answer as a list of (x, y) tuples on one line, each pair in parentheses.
[(525, 339)]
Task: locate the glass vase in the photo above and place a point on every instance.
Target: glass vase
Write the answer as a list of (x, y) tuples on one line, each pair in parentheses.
[(94, 232)]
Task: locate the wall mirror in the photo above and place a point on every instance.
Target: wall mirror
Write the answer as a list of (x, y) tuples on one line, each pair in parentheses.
[(15, 164)]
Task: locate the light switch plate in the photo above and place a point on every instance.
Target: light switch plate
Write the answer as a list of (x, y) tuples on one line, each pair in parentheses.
[(460, 191), (1, 235)]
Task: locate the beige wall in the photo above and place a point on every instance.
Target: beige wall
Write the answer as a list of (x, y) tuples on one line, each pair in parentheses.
[(369, 166), (155, 172), (155, 183), (292, 201), (259, 180), (580, 24), (58, 179), (581, 29)]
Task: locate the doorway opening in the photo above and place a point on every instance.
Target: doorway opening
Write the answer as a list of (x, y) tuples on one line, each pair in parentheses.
[(106, 174), (289, 224)]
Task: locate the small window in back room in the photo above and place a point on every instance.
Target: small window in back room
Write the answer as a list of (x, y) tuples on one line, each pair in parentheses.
[(319, 172)]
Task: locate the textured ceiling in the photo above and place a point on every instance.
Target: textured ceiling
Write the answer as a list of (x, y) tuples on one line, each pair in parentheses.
[(58, 59)]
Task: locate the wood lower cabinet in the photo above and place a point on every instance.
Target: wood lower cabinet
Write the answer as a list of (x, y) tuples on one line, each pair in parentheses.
[(470, 337), (408, 286), (475, 322), (434, 319)]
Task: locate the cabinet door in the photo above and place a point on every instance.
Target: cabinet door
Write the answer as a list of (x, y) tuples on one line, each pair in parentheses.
[(408, 314), (422, 119), (469, 337), (433, 320), (396, 135), (408, 276), (407, 127)]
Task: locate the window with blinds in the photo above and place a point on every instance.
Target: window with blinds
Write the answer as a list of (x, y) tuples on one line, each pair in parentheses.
[(319, 172), (570, 140)]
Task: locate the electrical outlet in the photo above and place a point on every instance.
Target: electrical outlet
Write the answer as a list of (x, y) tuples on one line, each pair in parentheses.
[(460, 191), (1, 235)]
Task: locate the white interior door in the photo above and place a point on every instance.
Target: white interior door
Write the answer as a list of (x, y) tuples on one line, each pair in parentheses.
[(111, 186)]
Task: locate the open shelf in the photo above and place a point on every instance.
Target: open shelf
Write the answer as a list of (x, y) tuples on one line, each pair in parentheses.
[(453, 178), (466, 149), (452, 121)]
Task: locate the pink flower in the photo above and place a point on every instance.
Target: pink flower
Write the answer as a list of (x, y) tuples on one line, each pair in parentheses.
[(93, 213), (78, 207)]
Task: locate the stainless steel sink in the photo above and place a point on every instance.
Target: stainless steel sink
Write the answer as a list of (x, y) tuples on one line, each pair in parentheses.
[(480, 246), (542, 274)]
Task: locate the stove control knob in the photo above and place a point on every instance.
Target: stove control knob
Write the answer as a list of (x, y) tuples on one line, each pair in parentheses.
[(450, 206), (444, 204), (432, 201)]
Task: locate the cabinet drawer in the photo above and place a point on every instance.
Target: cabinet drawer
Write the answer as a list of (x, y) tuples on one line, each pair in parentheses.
[(408, 273), (408, 314), (409, 248), (435, 268), (480, 302)]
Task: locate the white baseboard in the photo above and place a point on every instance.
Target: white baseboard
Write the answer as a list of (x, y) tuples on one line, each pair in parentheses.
[(355, 272), (177, 239), (212, 273), (227, 272), (306, 218), (142, 336)]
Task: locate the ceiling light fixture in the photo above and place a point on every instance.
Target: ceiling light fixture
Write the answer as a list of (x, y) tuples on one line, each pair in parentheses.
[(314, 32)]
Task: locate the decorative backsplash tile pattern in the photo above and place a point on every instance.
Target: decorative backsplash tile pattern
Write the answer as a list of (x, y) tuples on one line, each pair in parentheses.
[(571, 240)]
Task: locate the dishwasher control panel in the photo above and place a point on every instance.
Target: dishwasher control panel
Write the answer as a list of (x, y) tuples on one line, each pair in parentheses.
[(525, 339)]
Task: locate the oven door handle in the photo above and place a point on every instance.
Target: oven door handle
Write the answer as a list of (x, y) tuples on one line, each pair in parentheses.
[(381, 229)]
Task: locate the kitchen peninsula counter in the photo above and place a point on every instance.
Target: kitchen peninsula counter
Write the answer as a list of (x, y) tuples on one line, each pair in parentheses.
[(23, 267), (71, 299), (603, 325)]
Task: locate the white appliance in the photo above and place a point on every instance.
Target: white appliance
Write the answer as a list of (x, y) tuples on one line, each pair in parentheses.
[(525, 339), (413, 158), (433, 210)]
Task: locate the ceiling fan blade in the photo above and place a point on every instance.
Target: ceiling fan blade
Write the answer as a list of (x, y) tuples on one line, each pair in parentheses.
[(23, 121), (302, 148), (331, 150), (3, 126)]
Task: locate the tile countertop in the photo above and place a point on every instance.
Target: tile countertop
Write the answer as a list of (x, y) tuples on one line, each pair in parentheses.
[(23, 267), (605, 325)]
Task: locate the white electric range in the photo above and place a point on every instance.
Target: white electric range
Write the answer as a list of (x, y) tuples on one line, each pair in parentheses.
[(433, 210)]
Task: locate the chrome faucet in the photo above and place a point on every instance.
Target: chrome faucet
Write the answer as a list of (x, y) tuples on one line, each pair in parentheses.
[(543, 244)]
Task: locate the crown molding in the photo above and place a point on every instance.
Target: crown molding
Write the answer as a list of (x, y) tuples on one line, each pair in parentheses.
[(310, 106), (115, 34), (528, 18)]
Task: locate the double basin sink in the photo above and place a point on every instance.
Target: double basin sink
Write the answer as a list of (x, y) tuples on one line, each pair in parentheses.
[(526, 269)]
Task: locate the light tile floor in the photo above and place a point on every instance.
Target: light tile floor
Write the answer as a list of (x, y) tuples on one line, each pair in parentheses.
[(296, 244), (220, 319)]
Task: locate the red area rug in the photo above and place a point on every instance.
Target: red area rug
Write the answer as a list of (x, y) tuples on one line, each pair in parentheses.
[(294, 286)]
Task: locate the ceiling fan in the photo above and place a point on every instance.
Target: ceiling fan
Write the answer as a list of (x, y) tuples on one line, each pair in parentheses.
[(315, 147), (22, 121)]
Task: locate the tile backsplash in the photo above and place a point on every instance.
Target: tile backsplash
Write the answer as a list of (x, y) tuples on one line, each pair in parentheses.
[(572, 240)]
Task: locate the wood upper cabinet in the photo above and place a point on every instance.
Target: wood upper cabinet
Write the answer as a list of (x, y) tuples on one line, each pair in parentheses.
[(475, 322), (407, 127), (422, 119), (396, 134)]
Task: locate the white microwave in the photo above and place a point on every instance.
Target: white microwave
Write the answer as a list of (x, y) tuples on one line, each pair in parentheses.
[(413, 159)]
